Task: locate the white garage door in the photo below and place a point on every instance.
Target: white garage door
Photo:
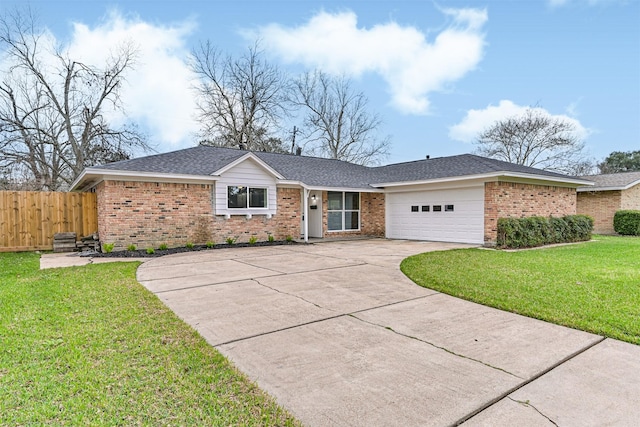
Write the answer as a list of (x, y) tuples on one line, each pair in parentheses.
[(438, 215)]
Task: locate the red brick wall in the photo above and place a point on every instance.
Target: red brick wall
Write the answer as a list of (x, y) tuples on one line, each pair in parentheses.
[(508, 199), (601, 206), (149, 214), (372, 220)]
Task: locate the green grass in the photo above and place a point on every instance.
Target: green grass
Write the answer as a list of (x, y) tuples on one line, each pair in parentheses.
[(90, 346), (592, 286)]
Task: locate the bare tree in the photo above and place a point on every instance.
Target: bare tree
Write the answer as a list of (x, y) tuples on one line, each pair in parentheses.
[(52, 124), (337, 123), (242, 101), (534, 139)]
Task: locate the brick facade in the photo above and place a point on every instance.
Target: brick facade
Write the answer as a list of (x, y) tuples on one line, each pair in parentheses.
[(372, 217), (602, 206), (508, 199), (149, 214), (631, 198)]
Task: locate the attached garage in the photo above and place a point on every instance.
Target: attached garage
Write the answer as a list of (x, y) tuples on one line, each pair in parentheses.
[(444, 215)]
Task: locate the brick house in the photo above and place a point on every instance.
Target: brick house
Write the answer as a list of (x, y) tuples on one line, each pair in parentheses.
[(611, 193), (210, 194)]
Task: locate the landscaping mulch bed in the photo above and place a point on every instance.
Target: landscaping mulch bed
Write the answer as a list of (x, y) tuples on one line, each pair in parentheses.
[(142, 253)]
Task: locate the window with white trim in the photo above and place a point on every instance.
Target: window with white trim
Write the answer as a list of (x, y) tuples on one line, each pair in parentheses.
[(239, 197), (343, 211)]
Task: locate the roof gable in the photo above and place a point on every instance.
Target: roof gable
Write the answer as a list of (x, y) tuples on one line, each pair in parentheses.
[(249, 156)]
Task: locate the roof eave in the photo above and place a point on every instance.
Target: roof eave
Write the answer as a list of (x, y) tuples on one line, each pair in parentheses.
[(92, 176), (563, 180), (609, 188), (284, 182)]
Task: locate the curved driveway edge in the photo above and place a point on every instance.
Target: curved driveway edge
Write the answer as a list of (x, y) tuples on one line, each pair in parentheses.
[(339, 336)]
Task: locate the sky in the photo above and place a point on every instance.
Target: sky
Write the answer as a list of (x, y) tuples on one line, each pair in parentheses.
[(436, 72)]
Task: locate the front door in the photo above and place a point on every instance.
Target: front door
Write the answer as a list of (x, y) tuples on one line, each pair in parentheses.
[(315, 214)]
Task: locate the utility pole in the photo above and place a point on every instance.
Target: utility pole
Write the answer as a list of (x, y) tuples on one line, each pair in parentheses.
[(293, 140)]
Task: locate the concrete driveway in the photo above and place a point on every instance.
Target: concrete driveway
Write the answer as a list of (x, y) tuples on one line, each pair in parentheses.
[(340, 336)]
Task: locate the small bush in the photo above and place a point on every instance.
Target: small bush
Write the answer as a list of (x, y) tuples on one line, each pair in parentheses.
[(210, 244), (627, 223), (253, 240), (163, 247), (151, 251), (289, 238), (131, 247), (270, 238), (107, 248), (537, 231), (231, 240), (189, 245)]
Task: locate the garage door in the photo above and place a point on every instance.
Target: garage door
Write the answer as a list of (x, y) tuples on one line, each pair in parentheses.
[(437, 215)]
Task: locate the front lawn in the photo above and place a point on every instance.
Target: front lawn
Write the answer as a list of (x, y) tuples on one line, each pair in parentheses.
[(90, 346), (593, 286)]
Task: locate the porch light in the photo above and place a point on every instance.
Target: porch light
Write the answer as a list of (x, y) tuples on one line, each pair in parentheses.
[(314, 201)]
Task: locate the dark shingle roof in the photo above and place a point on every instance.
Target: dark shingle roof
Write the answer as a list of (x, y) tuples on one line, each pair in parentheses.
[(190, 161), (315, 171), (611, 181), (447, 167)]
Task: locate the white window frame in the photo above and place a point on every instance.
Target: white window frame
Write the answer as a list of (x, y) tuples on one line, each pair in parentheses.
[(249, 187), (344, 211)]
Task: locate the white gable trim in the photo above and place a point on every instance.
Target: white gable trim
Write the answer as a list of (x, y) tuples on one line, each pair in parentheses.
[(253, 157)]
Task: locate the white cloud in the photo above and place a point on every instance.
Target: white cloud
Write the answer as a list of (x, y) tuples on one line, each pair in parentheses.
[(560, 3), (477, 121), (411, 65), (158, 90)]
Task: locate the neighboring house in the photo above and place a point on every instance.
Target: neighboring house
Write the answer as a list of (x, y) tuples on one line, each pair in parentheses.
[(611, 193), (180, 196)]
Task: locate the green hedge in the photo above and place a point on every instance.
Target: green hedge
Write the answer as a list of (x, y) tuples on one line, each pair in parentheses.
[(627, 223), (537, 231)]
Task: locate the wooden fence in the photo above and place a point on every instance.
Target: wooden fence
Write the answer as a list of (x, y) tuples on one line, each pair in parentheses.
[(29, 219)]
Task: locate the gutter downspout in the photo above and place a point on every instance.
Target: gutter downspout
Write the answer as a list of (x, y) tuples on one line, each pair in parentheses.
[(305, 212)]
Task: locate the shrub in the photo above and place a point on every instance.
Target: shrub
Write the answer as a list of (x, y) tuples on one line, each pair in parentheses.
[(210, 244), (163, 247), (537, 231), (627, 223), (253, 240), (270, 238), (131, 247), (289, 238), (189, 245), (231, 240), (151, 251), (107, 248)]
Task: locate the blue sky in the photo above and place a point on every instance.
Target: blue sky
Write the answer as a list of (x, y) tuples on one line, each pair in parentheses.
[(437, 72)]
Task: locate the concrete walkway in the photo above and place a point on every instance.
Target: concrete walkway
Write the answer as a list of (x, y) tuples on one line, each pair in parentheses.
[(341, 337), (73, 259)]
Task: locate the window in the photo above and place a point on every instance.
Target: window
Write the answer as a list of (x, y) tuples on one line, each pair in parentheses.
[(437, 208), (239, 197), (425, 208), (414, 209), (343, 211), (448, 208)]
